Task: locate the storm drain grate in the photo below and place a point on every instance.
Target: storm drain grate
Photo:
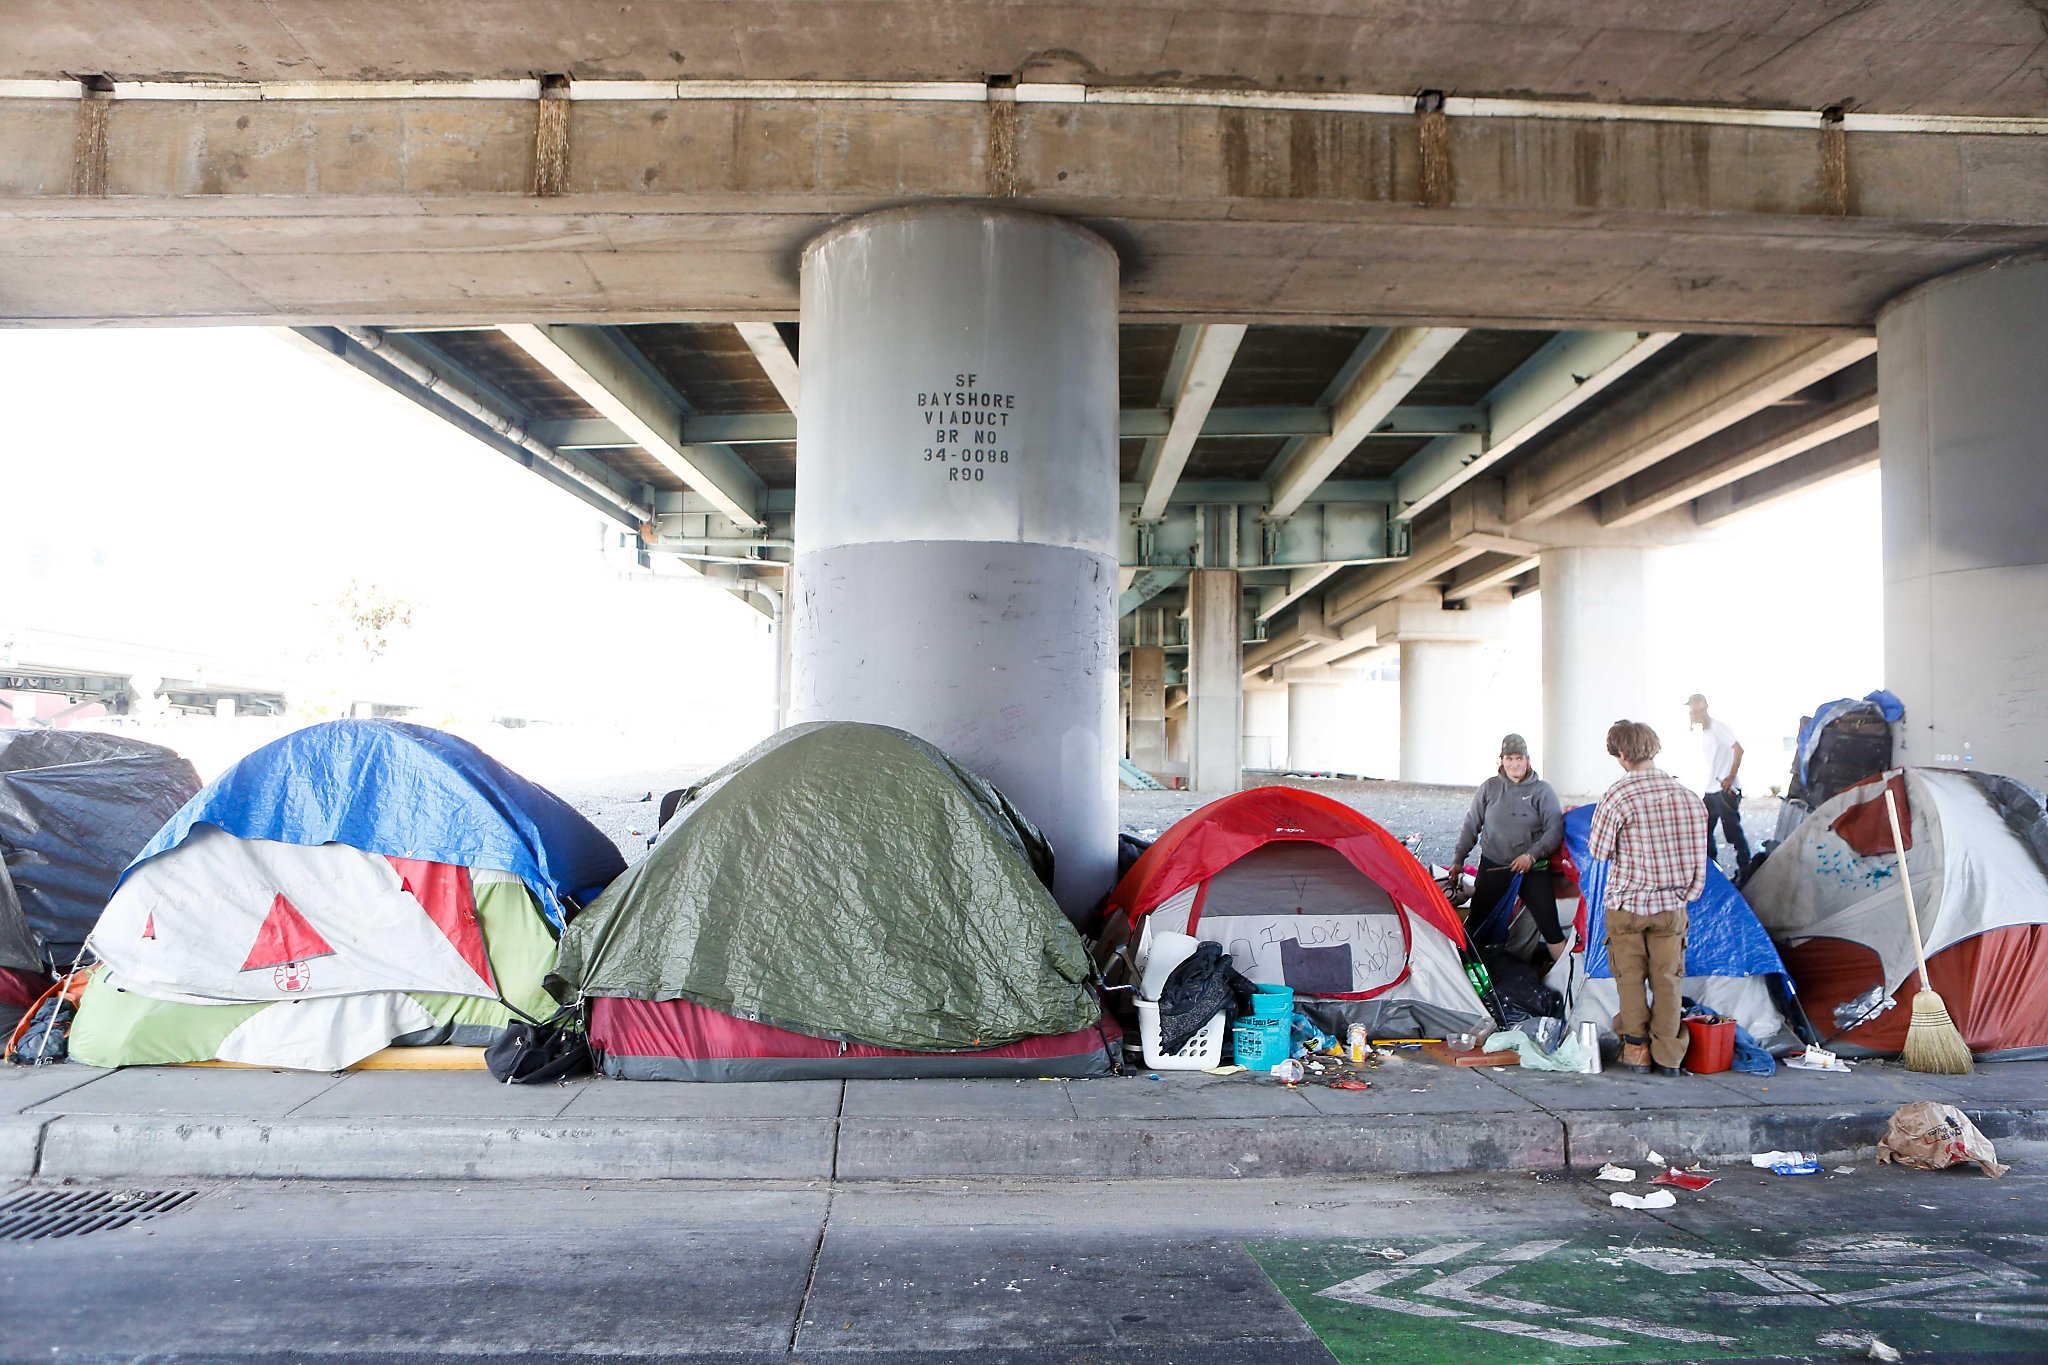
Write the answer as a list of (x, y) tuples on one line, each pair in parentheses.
[(37, 1215)]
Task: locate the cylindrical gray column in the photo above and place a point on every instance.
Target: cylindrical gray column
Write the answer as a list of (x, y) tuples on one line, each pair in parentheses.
[(1964, 456), (956, 506)]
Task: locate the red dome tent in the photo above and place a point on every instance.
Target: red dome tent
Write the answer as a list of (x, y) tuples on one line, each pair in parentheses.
[(1304, 891)]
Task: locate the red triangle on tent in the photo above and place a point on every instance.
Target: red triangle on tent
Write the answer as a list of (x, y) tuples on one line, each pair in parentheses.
[(443, 891), (285, 937), (149, 926)]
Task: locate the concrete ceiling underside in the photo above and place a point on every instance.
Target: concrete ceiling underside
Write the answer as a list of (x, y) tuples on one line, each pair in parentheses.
[(1966, 56), (1459, 282)]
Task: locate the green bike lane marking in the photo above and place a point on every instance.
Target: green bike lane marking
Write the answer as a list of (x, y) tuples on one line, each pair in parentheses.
[(1659, 1296)]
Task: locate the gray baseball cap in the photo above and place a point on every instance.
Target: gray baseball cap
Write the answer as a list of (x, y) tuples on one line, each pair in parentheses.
[(1514, 744)]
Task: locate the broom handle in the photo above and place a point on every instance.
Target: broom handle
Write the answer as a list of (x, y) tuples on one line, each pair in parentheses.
[(1891, 809)]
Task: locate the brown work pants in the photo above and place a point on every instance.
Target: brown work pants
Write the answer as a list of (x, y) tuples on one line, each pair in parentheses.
[(1650, 950)]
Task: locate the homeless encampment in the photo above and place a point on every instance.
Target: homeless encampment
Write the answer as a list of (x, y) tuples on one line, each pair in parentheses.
[(350, 886), (844, 900), (1975, 844), (76, 806), (1730, 964), (1304, 891)]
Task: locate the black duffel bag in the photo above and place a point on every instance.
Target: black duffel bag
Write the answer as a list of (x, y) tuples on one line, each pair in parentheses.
[(536, 1053)]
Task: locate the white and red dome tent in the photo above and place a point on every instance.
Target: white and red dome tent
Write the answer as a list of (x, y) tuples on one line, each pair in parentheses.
[(1975, 846), (1306, 892), (349, 886)]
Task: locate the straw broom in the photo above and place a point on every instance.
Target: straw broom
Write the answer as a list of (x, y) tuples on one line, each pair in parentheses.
[(1933, 1042)]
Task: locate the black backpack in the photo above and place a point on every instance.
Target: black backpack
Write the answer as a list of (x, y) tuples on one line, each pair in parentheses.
[(536, 1053)]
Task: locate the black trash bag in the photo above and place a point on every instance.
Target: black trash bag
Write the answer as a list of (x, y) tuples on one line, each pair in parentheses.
[(1199, 987), (48, 1037), (529, 1053), (1519, 989)]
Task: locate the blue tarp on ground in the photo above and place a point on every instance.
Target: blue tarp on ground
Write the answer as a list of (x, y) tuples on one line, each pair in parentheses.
[(406, 791), (1723, 937)]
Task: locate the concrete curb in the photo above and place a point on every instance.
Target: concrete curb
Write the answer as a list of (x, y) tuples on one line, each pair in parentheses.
[(21, 1140), (1730, 1135), (1210, 1149), (126, 1147), (122, 1147)]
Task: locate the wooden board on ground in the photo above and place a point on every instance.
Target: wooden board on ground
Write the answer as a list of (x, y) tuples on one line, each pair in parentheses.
[(395, 1059), (1450, 1058)]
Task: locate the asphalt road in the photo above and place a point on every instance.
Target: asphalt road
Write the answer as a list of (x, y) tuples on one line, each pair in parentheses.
[(1497, 1270)]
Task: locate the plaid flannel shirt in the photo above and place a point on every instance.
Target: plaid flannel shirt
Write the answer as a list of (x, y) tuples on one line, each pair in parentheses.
[(1654, 832)]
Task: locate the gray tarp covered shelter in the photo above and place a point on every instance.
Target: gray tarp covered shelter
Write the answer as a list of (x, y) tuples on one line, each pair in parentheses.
[(76, 806), (847, 882)]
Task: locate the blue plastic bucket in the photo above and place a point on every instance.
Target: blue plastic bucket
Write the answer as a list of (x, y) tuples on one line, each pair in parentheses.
[(1259, 1043), (1273, 1002)]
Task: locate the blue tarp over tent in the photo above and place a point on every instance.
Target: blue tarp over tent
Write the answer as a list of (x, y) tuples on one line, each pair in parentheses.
[(406, 791), (1888, 706), (1723, 937)]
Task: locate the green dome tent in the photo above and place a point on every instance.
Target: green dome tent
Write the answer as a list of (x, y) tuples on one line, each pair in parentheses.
[(843, 882)]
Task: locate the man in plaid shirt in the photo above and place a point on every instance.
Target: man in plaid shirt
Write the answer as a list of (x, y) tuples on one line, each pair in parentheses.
[(1653, 831)]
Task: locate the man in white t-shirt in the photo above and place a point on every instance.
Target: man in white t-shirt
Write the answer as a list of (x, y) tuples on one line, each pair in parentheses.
[(1721, 752)]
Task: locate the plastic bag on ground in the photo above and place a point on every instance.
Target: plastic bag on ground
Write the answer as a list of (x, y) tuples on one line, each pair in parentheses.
[(1569, 1056), (1931, 1137), (1655, 1199)]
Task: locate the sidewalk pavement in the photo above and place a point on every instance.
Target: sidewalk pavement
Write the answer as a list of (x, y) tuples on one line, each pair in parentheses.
[(1419, 1117)]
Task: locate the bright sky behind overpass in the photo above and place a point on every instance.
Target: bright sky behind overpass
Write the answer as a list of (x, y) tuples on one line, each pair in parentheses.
[(217, 489)]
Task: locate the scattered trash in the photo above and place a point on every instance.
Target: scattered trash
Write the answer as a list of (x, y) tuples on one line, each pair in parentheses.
[(1347, 1083), (1620, 1175), (1358, 1044), (1685, 1180), (1845, 1170), (1655, 1158), (1387, 1253), (1816, 1059), (1931, 1136), (1796, 1168), (1568, 1055), (1655, 1199), (1865, 1345), (1290, 1071), (1228, 1069), (1771, 1159)]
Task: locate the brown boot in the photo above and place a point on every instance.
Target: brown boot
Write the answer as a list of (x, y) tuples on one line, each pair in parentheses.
[(1635, 1055)]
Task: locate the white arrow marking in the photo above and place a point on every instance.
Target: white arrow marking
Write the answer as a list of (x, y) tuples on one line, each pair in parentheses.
[(1552, 1335), (1449, 1251), (1457, 1287), (1361, 1291), (1529, 1251), (1644, 1329)]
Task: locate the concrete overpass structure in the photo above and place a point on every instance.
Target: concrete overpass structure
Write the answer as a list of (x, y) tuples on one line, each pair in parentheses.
[(1407, 314)]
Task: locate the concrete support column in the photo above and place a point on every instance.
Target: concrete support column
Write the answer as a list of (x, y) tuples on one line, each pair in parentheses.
[(1148, 708), (1323, 722), (1595, 661), (1444, 735), (1265, 727), (957, 506), (1965, 474), (1215, 681)]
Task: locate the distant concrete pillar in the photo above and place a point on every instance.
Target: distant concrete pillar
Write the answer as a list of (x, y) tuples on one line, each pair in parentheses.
[(1148, 709), (1965, 476), (1444, 737), (957, 506), (1215, 681), (1322, 723), (1595, 662), (1264, 744)]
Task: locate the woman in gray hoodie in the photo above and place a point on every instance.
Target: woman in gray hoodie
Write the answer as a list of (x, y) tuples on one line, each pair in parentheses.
[(1518, 825)]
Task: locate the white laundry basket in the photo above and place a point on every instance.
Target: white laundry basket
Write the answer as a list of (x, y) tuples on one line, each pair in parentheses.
[(1202, 1052)]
